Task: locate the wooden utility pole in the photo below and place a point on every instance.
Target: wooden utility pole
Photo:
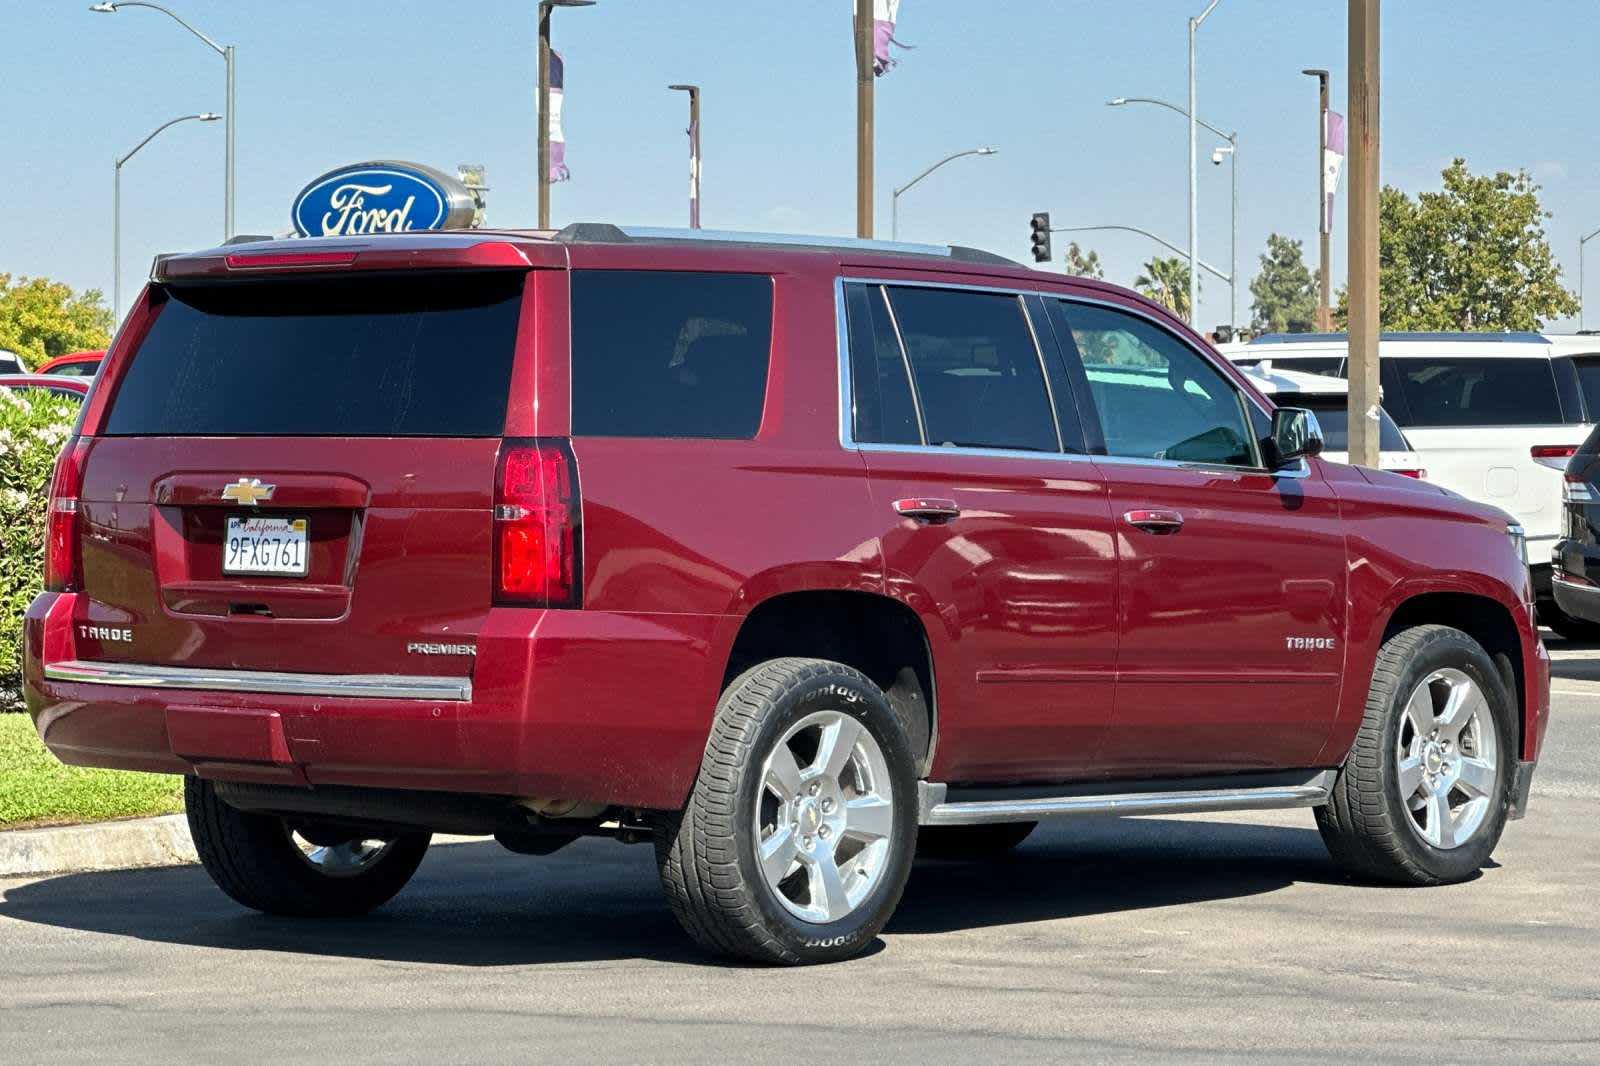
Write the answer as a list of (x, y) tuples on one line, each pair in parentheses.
[(544, 116), (1363, 232), (864, 102)]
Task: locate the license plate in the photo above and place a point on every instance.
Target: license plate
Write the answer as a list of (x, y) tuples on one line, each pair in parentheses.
[(265, 546)]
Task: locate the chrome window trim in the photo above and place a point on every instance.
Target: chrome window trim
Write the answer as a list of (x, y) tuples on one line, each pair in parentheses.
[(352, 686), (905, 361), (1049, 390), (847, 400)]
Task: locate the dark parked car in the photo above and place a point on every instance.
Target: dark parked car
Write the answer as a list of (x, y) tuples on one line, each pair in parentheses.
[(790, 558)]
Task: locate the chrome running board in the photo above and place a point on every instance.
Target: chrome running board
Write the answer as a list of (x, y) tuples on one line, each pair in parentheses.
[(935, 808)]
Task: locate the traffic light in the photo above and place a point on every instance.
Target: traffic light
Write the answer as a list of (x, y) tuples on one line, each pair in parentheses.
[(1040, 227)]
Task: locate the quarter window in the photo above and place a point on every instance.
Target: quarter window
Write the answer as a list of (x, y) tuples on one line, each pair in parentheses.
[(669, 354), (1157, 398), (976, 368)]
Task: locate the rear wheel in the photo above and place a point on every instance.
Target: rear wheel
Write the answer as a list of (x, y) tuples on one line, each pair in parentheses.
[(306, 870), (1422, 796), (971, 842), (798, 837)]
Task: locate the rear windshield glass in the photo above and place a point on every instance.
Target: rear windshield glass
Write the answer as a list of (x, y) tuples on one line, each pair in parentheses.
[(1328, 366), (397, 356), (1333, 416), (1476, 392), (669, 354)]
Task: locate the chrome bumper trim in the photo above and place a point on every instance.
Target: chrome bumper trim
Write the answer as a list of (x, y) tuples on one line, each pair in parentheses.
[(350, 686), (935, 810)]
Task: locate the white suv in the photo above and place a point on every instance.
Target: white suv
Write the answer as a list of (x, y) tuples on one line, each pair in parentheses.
[(1326, 398), (1494, 416)]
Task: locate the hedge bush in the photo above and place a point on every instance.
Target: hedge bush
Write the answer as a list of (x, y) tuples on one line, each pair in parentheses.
[(33, 426)]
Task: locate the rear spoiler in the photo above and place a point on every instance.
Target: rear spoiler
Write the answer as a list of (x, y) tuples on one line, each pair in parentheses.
[(280, 257)]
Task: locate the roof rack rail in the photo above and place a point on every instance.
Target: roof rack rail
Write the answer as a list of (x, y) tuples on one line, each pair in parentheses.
[(1506, 337), (608, 233)]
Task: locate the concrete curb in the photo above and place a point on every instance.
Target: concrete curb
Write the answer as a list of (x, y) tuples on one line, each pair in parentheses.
[(102, 846)]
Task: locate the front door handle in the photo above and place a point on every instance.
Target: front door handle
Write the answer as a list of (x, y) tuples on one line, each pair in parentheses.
[(927, 510), (1161, 523)]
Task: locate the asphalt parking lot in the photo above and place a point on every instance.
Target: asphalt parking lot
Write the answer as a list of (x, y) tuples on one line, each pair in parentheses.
[(1205, 939)]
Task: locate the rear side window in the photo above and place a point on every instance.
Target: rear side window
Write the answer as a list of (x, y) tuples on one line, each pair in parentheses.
[(395, 356), (976, 367), (669, 354), (1588, 368), (883, 410), (1474, 392)]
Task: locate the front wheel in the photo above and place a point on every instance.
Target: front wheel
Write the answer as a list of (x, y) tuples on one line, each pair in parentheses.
[(270, 864), (798, 837), (1422, 796)]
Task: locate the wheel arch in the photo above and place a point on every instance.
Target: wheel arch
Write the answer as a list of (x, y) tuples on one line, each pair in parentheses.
[(1484, 619), (874, 633)]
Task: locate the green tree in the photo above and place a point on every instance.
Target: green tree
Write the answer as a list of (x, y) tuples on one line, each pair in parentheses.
[(1471, 256), (1166, 281), (1284, 292), (1083, 264), (41, 319)]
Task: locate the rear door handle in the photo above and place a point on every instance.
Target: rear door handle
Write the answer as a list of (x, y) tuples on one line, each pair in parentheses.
[(1161, 523), (927, 510)]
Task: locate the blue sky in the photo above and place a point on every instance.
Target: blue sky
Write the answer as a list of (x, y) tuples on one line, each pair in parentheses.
[(324, 82)]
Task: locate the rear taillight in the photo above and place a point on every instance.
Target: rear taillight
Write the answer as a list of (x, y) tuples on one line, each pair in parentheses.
[(1574, 489), (1554, 456), (1416, 472), (537, 524), (63, 563)]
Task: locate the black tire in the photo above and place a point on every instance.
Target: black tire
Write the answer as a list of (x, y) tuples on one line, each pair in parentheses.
[(967, 843), (1366, 824), (707, 852), (253, 858)]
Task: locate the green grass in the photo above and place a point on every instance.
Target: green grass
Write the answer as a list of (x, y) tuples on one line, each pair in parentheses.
[(37, 789)]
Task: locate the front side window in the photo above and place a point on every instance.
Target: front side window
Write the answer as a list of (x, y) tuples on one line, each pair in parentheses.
[(1474, 392), (669, 354), (976, 369), (1157, 398)]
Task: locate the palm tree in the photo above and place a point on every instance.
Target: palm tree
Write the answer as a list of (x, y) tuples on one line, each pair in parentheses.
[(1166, 281)]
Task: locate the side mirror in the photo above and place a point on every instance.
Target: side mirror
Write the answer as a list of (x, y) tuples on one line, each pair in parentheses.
[(1295, 436)]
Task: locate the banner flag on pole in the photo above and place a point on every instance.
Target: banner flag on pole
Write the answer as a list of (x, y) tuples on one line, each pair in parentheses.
[(1332, 163), (884, 14), (558, 141)]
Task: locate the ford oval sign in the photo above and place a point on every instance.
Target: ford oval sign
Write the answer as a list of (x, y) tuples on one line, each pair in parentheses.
[(381, 197)]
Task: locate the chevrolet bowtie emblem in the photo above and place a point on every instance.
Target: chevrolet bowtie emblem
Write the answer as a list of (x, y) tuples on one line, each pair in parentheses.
[(248, 491)]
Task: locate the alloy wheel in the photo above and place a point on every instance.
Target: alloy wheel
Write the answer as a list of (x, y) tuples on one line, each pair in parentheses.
[(824, 817), (1447, 752)]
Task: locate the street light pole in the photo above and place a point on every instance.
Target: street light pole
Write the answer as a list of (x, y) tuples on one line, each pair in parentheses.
[(545, 7), (1324, 224), (894, 199), (1581, 242), (227, 54), (1194, 174), (116, 207), (694, 151), (1232, 151), (1143, 233)]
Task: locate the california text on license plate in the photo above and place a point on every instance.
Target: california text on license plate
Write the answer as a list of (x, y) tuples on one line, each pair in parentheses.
[(265, 546)]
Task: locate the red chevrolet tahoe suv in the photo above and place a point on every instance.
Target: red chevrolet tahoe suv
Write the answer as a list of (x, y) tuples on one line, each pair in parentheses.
[(797, 559)]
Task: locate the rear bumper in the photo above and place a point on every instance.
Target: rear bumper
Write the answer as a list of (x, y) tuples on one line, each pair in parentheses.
[(1576, 567), (582, 705)]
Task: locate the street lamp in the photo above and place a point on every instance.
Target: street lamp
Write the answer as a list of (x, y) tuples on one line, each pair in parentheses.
[(227, 54), (545, 7), (694, 151), (116, 207), (1232, 152), (894, 200), (1581, 242), (1143, 233), (1194, 175)]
